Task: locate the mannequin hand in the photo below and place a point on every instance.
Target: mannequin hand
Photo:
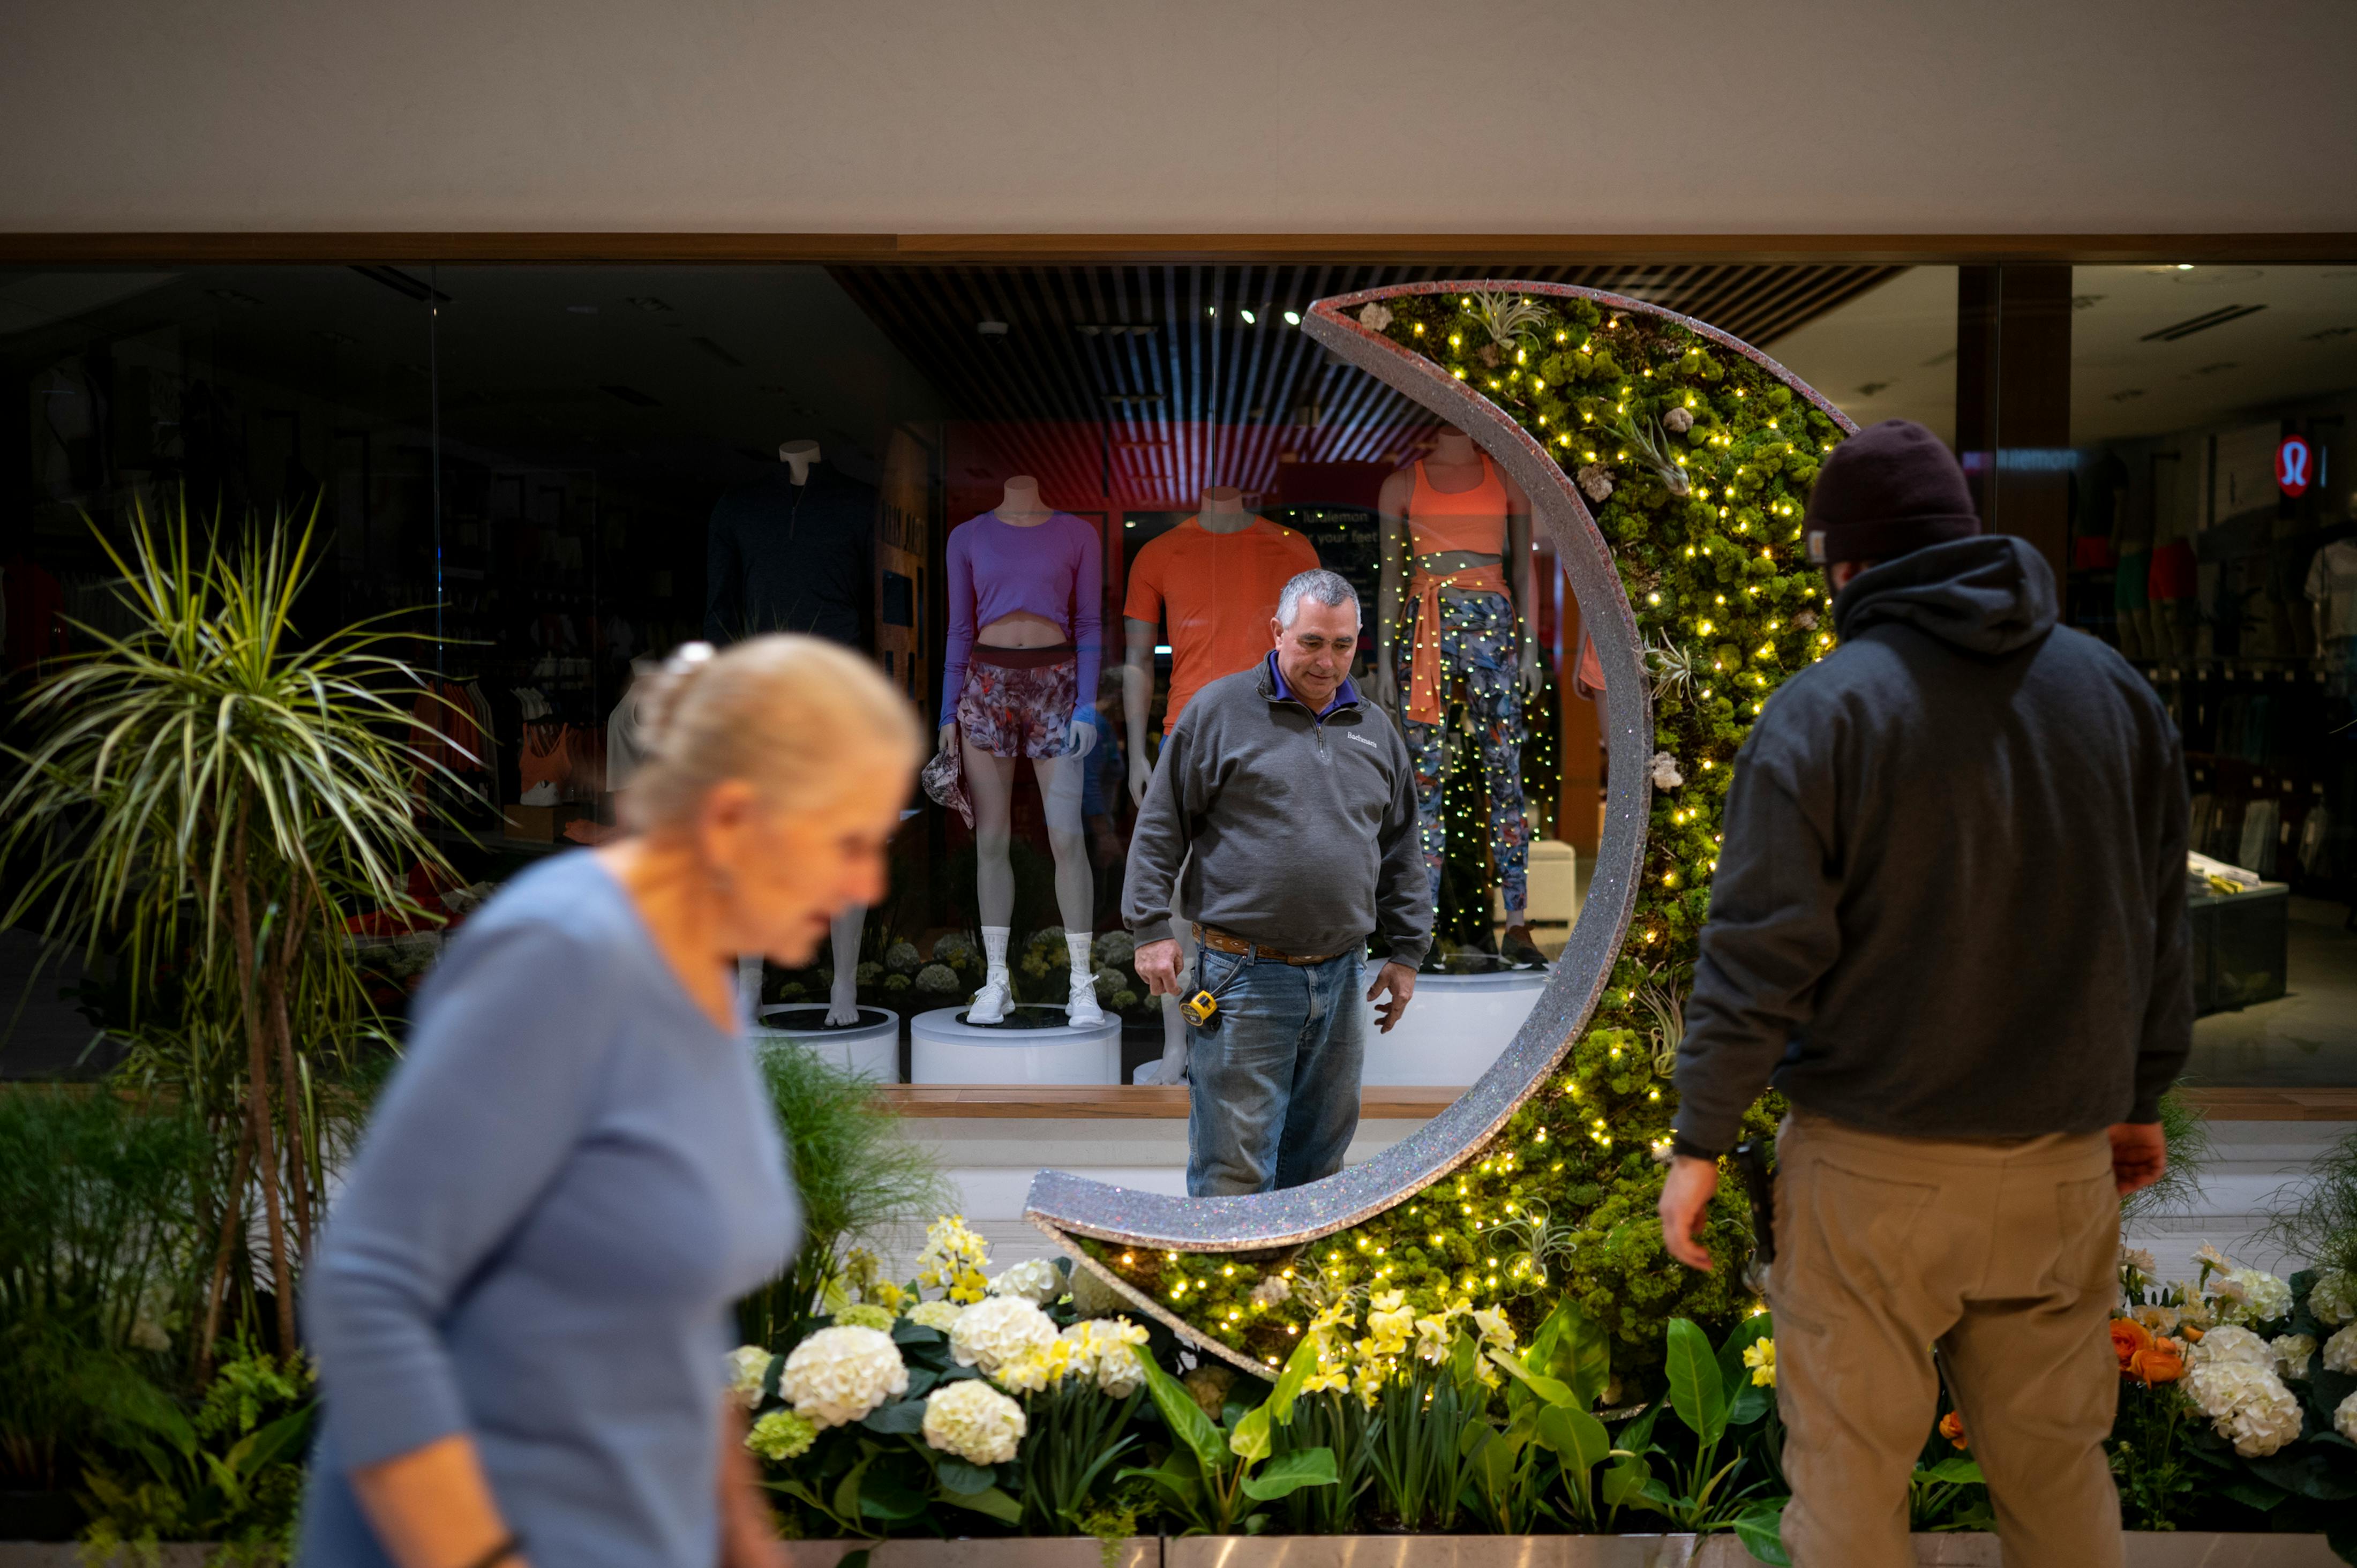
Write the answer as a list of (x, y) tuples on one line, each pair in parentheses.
[(1533, 674), (948, 736), (1139, 775), (1380, 685), (1085, 735), (1158, 964)]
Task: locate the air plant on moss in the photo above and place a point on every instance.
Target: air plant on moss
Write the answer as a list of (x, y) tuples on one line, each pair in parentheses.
[(1658, 997), (1652, 446), (1671, 667), (1509, 321)]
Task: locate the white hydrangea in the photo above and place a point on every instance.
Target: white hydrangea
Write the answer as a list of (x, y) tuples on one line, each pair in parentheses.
[(1034, 1280), (838, 1375), (2333, 1297), (2344, 1418), (2247, 1405), (1109, 1346), (973, 1421), (2341, 1350), (2250, 1295), (1092, 1296), (2229, 1346), (2292, 1351), (1375, 316), (748, 1367), (997, 1330), (935, 1315)]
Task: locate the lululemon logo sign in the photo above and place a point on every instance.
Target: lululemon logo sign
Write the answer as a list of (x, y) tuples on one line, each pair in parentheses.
[(2292, 459)]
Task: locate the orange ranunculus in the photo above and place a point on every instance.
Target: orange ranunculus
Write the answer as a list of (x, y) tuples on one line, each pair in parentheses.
[(2190, 1332), (2129, 1341), (1951, 1427), (2163, 1361)]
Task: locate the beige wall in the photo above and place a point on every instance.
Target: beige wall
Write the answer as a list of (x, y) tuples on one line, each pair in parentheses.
[(1111, 115)]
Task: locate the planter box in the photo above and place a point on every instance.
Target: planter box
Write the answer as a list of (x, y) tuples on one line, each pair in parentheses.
[(2188, 1549), (1006, 1551)]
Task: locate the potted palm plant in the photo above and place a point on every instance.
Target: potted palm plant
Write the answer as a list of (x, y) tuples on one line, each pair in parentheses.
[(207, 797)]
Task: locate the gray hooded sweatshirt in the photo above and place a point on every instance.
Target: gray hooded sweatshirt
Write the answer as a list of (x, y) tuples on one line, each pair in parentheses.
[(1951, 897)]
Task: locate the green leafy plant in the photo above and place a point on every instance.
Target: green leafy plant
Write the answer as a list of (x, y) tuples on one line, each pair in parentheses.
[(205, 796), (232, 1472), (1216, 1473), (1699, 1493), (2316, 1217), (100, 1272), (859, 1176)]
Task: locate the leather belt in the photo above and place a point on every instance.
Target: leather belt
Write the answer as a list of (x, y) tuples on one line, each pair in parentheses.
[(1218, 940)]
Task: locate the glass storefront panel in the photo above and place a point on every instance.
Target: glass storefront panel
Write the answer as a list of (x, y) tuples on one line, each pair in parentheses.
[(2213, 516), (561, 471)]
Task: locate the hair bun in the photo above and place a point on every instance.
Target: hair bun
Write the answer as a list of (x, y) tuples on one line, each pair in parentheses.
[(666, 689)]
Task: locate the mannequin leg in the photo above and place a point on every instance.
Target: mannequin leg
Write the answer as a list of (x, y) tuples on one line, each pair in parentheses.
[(1172, 1067), (990, 784), (843, 999), (1061, 780), (1428, 752), (1491, 658), (748, 985)]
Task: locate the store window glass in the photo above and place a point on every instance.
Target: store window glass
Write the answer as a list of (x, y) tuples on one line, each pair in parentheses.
[(2214, 542), (1052, 504)]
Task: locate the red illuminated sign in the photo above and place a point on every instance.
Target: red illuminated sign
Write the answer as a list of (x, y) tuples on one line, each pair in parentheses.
[(2292, 460)]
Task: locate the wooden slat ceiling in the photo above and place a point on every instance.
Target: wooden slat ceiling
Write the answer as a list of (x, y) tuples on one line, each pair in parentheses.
[(1141, 385)]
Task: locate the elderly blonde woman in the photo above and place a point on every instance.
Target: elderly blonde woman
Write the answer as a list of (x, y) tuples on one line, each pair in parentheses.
[(520, 1306)]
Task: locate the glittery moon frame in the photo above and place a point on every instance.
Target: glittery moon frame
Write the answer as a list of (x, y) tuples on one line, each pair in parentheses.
[(1068, 1207)]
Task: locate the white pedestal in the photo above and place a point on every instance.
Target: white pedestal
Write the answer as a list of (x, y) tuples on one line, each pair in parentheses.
[(871, 1048), (1454, 1029), (942, 1048)]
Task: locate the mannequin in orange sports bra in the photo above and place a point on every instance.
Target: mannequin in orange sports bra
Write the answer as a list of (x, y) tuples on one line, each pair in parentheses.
[(1457, 622)]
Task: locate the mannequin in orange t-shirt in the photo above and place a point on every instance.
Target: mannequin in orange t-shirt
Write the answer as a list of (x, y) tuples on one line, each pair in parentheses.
[(1214, 579)]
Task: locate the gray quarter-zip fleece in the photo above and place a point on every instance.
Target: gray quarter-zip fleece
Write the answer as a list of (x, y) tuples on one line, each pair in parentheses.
[(1303, 829)]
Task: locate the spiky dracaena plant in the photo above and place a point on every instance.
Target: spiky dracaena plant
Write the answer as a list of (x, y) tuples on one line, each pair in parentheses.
[(204, 797)]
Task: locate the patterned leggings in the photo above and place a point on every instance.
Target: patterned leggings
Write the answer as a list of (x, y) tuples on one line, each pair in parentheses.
[(1480, 665)]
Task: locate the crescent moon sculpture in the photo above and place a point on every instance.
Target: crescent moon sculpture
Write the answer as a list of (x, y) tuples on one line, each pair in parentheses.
[(1074, 1210)]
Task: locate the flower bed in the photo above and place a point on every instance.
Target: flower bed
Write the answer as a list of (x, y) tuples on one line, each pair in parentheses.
[(1024, 1406)]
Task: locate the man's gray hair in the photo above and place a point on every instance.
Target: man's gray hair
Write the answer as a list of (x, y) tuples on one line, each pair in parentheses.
[(1318, 585)]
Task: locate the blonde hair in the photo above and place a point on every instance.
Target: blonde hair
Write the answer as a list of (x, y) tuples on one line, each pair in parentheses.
[(779, 712)]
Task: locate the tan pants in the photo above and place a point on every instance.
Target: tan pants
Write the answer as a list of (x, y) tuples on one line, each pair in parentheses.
[(2001, 1253)]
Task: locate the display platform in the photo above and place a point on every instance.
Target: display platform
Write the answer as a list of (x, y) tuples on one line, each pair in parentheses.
[(1033, 1046), (1455, 1026), (870, 1047)]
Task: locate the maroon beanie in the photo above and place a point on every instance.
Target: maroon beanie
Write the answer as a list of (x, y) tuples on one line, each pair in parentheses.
[(1889, 488)]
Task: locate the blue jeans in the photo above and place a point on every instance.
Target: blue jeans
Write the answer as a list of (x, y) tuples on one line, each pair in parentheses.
[(1274, 1095)]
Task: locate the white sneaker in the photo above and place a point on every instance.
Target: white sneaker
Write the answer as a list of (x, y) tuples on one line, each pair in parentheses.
[(990, 1002), (1081, 1011)]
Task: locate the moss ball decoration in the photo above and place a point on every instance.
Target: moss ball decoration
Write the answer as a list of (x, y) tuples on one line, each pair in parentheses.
[(1695, 462)]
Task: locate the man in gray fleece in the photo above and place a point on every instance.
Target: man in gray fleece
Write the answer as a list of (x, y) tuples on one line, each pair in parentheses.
[(1291, 806), (1948, 922)]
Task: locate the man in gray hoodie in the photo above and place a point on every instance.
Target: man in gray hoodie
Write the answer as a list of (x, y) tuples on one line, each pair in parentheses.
[(1948, 923), (1291, 806)]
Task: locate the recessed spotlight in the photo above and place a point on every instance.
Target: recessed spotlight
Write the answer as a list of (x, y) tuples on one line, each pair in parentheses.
[(1293, 318), (2185, 266), (991, 328), (1250, 319)]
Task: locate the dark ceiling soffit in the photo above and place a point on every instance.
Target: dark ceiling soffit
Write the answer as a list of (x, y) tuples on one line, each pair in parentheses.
[(214, 249)]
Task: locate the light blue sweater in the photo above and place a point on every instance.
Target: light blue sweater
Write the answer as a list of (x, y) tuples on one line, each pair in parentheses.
[(570, 1178)]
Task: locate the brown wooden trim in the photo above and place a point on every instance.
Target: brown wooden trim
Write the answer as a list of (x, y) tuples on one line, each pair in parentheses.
[(2275, 1104), (1118, 1102), (414, 247), (1150, 1103)]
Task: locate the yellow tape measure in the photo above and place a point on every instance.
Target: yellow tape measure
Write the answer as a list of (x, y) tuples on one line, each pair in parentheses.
[(1200, 1007)]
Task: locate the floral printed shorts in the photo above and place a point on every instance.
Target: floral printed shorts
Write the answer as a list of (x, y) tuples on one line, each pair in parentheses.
[(1018, 702)]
